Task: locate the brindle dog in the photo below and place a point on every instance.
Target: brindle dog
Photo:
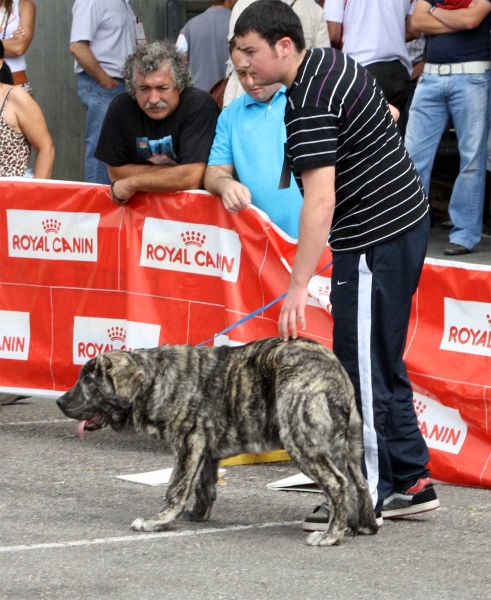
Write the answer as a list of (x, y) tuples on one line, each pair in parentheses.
[(215, 402)]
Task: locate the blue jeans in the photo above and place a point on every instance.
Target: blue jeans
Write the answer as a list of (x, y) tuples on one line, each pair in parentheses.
[(464, 99), (96, 101)]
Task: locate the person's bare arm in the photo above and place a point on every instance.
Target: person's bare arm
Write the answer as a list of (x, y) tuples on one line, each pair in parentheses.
[(18, 45), (31, 122), (164, 179), (125, 171), (395, 112), (219, 180), (335, 32), (418, 70), (86, 59), (463, 18), (411, 33), (315, 225), (424, 22)]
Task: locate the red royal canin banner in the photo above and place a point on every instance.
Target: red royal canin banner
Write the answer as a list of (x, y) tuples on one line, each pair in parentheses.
[(80, 276)]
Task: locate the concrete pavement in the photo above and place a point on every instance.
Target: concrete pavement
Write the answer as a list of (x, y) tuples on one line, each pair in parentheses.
[(64, 530)]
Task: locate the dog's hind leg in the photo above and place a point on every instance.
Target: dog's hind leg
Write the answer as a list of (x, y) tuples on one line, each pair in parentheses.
[(205, 492), (187, 468), (365, 521), (320, 467), (362, 515)]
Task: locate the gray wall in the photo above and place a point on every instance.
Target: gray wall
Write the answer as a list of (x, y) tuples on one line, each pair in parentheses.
[(50, 70)]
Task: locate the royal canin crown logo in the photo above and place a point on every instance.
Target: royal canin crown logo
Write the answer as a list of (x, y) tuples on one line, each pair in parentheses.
[(419, 407), (52, 235), (15, 334), (51, 225), (190, 248), (470, 335), (193, 238), (441, 426), (95, 335), (467, 327), (117, 334)]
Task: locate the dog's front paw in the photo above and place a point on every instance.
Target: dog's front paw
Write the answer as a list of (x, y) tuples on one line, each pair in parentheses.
[(322, 538), (148, 525)]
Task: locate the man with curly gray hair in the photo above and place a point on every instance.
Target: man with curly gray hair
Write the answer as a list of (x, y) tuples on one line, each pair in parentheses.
[(158, 135)]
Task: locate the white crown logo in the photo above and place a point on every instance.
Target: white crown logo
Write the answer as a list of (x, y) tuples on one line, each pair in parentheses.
[(117, 334), (193, 238), (51, 225)]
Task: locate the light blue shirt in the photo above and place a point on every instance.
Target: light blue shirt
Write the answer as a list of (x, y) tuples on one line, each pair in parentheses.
[(251, 135)]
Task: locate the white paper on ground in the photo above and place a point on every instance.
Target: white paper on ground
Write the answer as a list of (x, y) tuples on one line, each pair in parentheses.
[(154, 477), (296, 483)]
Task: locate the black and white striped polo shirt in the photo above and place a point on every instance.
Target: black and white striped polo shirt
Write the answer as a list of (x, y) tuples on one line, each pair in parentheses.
[(337, 115)]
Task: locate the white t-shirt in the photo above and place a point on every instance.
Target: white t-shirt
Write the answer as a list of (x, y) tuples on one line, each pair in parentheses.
[(373, 30), (109, 27), (18, 63)]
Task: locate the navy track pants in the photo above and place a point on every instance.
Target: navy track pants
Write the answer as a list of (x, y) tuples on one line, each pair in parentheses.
[(371, 299)]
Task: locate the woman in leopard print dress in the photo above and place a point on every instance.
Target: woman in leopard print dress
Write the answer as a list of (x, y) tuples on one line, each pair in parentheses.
[(22, 125)]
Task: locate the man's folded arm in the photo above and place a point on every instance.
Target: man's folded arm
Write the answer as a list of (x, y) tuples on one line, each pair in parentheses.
[(116, 173), (167, 178), (425, 22), (463, 18)]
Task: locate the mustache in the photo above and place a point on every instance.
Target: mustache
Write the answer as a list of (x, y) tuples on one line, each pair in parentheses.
[(159, 104)]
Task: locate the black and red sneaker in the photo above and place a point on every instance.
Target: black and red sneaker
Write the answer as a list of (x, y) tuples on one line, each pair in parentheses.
[(419, 498)]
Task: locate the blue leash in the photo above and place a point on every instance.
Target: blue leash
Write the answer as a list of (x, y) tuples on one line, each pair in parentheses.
[(256, 312)]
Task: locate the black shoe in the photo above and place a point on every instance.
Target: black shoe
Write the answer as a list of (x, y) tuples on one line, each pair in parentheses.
[(455, 250), (486, 231), (319, 519), (447, 224), (417, 499)]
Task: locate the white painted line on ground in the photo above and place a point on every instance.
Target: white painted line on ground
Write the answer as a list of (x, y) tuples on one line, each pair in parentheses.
[(16, 423), (145, 537)]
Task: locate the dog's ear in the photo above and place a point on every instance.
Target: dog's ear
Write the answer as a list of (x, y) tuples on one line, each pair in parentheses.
[(126, 376)]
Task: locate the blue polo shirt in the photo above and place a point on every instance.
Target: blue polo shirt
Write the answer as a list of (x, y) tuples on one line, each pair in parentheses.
[(251, 136)]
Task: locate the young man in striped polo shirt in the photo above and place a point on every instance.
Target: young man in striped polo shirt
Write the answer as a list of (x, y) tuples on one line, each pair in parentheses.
[(362, 193)]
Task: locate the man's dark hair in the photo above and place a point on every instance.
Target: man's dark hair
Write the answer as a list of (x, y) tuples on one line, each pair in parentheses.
[(272, 20), (149, 58)]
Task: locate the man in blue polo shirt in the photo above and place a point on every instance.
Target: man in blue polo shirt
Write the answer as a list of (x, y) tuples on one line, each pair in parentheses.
[(454, 85), (249, 143)]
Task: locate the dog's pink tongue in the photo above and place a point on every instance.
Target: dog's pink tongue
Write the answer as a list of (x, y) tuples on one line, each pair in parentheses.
[(92, 424), (81, 429)]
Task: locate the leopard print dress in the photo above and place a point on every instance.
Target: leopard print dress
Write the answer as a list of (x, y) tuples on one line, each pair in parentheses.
[(15, 150)]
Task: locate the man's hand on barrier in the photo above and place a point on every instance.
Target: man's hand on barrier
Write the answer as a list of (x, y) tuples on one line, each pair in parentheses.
[(121, 191), (236, 196)]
